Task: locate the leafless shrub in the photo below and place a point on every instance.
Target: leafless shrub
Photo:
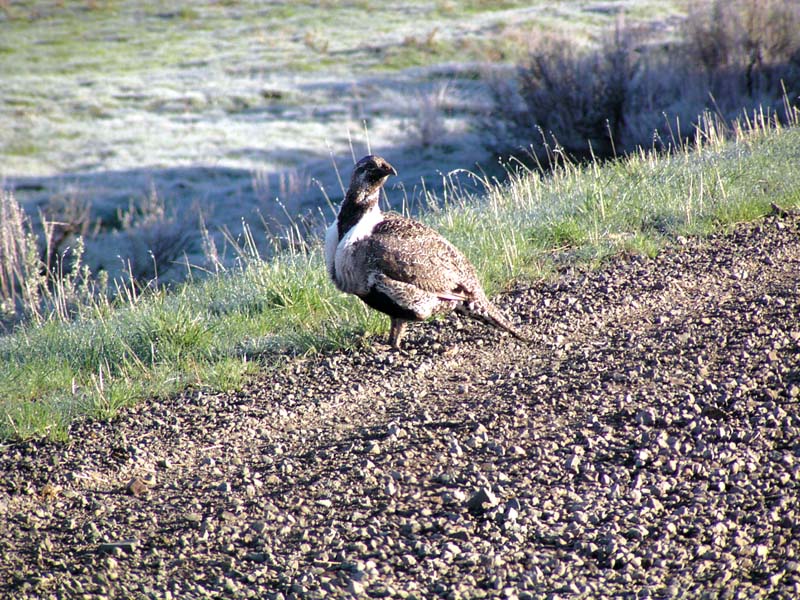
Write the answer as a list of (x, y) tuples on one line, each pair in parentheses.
[(63, 219), (730, 57), (574, 96), (755, 43), (579, 96), (287, 184), (156, 239), (429, 109), (279, 198)]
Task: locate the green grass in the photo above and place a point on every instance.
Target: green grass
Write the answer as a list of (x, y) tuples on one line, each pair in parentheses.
[(219, 331)]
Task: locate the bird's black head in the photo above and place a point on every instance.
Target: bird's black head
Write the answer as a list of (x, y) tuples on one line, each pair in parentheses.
[(370, 173)]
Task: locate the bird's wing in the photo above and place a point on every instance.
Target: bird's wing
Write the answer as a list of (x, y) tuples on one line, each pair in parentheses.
[(413, 253)]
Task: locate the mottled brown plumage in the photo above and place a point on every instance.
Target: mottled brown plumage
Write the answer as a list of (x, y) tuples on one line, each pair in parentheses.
[(397, 265)]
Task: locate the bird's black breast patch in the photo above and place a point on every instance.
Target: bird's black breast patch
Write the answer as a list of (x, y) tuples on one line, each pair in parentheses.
[(383, 303)]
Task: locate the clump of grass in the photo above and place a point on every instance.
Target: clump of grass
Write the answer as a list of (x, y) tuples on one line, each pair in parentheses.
[(41, 281), (314, 41), (216, 332), (18, 257)]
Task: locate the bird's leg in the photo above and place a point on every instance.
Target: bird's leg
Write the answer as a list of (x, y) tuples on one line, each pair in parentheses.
[(396, 332)]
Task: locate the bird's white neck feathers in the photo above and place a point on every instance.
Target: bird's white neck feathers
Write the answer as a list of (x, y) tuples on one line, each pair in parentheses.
[(337, 250)]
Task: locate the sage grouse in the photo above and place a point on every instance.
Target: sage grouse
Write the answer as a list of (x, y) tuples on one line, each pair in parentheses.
[(399, 266)]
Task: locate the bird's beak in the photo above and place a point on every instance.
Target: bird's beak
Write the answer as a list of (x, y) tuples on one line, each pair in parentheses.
[(390, 170)]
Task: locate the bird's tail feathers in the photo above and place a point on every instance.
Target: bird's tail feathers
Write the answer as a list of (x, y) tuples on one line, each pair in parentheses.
[(491, 315)]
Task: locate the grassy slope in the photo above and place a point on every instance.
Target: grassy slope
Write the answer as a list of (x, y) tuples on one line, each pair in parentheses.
[(214, 332)]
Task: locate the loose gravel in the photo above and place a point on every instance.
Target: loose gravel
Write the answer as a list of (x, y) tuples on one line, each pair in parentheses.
[(646, 445)]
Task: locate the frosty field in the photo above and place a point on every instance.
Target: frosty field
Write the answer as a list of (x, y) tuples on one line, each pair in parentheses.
[(221, 108)]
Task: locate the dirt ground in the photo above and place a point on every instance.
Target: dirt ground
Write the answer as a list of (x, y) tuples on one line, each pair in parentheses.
[(647, 444)]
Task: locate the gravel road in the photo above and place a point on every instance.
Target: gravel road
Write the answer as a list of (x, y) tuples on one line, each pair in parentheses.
[(647, 444)]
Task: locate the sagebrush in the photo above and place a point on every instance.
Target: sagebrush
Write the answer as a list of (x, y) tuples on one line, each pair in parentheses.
[(727, 58)]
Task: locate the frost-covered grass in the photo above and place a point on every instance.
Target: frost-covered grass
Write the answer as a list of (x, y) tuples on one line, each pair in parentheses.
[(119, 84), (218, 331)]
